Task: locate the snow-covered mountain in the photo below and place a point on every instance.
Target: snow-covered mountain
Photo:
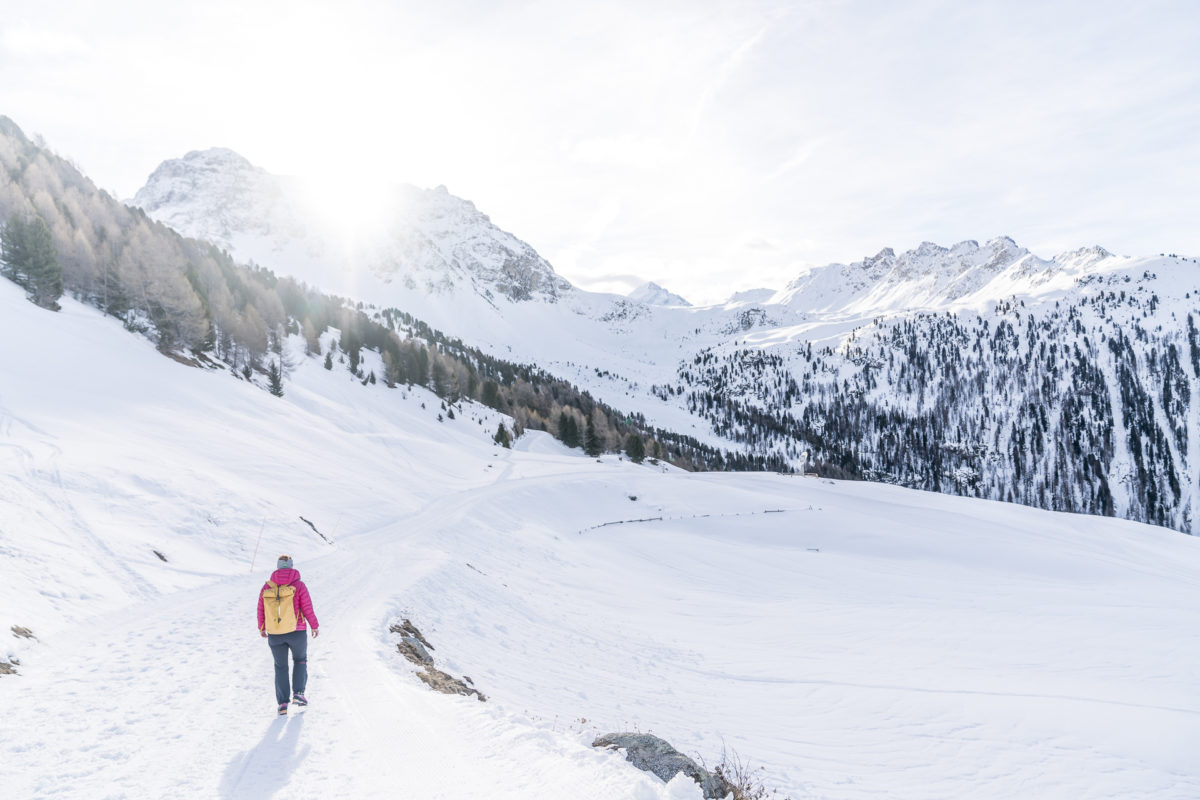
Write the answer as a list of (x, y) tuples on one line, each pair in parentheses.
[(761, 295), (423, 238), (962, 352), (934, 278), (652, 294)]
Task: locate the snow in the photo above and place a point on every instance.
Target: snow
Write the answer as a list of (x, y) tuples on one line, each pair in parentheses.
[(854, 640), (654, 295)]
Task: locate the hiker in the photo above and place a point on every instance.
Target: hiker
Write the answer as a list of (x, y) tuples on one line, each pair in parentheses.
[(285, 612)]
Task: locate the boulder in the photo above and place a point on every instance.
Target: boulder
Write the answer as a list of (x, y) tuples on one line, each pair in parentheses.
[(447, 684), (655, 755), (406, 628), (415, 647)]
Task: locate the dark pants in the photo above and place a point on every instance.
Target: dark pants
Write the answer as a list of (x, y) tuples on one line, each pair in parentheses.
[(297, 642)]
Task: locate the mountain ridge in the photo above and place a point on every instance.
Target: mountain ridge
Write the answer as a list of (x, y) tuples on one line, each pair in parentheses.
[(438, 241)]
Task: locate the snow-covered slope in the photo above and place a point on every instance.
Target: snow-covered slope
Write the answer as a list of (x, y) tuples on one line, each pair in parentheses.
[(751, 296), (934, 278), (854, 640), (652, 294)]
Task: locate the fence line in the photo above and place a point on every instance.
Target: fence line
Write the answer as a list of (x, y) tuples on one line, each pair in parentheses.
[(693, 516)]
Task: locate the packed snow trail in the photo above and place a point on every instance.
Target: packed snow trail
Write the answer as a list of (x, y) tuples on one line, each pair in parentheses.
[(174, 698)]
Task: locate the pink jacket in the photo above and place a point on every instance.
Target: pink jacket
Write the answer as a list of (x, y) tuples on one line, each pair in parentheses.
[(300, 600)]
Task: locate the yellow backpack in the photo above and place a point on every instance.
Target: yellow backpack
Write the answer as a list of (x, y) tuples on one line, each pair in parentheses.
[(279, 611)]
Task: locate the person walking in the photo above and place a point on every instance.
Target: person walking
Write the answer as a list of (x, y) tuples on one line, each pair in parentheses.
[(285, 613)]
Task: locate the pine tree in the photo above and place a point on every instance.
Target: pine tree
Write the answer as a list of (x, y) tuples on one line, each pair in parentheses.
[(568, 429), (635, 448), (351, 346), (329, 360), (591, 444), (491, 394), (439, 378), (275, 379), (502, 437), (13, 249)]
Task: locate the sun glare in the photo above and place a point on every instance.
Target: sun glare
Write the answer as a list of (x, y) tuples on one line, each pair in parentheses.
[(350, 205)]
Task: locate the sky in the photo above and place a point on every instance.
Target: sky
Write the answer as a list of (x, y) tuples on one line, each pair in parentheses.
[(708, 146)]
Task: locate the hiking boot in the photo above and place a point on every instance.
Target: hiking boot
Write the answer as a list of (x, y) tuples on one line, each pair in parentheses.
[(299, 699), (283, 709)]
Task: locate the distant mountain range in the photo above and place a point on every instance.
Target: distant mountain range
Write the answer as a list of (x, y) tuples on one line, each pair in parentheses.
[(958, 368)]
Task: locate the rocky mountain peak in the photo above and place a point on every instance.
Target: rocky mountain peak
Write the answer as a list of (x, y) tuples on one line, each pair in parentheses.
[(1083, 256), (426, 240)]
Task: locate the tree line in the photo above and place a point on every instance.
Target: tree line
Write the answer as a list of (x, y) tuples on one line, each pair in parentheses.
[(1084, 407)]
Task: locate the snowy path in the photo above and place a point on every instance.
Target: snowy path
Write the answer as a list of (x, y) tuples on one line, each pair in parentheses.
[(959, 690), (188, 673)]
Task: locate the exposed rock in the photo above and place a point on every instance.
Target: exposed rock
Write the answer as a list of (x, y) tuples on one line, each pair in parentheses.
[(447, 684), (6, 668), (415, 652), (652, 754), (22, 633), (405, 627), (415, 647)]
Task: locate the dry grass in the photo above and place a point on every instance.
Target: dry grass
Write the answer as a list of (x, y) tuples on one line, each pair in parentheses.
[(746, 781)]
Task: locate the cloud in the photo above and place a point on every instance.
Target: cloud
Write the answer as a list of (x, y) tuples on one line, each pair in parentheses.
[(723, 73), (801, 155), (626, 151), (762, 245), (29, 42)]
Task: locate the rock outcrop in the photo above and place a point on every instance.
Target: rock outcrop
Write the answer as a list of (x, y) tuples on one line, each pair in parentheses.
[(655, 755), (415, 647)]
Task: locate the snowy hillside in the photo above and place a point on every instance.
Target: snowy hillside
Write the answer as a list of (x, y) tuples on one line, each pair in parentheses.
[(854, 640)]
